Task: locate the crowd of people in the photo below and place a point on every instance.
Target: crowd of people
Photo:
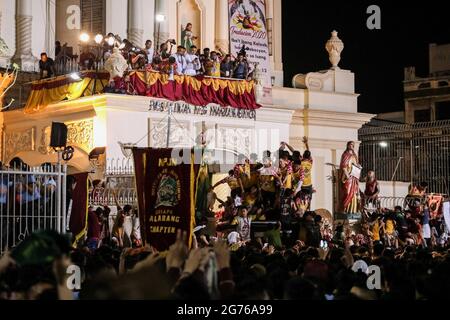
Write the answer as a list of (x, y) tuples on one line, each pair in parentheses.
[(264, 242), (185, 59)]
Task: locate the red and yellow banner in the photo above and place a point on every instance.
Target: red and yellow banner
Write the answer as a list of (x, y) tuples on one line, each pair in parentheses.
[(166, 195), (79, 207), (64, 88), (197, 91)]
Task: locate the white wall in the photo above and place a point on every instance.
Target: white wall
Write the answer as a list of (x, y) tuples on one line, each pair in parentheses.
[(39, 27), (8, 27), (149, 20), (126, 127)]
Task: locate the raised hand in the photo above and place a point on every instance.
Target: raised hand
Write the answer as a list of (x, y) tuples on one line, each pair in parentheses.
[(6, 261), (222, 254), (196, 261), (178, 252)]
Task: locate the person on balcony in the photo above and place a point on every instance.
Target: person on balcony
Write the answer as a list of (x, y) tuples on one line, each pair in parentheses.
[(241, 67), (193, 65), (215, 71), (58, 48), (150, 51), (180, 59), (164, 51), (87, 59), (372, 189), (207, 66), (226, 67), (46, 66)]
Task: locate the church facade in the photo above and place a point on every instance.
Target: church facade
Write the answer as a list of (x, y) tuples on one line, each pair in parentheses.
[(320, 105)]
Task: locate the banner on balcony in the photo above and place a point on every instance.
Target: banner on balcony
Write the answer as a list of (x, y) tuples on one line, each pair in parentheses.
[(165, 188), (248, 31)]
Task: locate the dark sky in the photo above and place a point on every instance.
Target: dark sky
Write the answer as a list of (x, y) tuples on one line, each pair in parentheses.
[(377, 57)]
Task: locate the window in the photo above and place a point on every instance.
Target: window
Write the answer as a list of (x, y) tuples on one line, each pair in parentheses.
[(93, 16), (424, 85), (422, 115), (442, 110)]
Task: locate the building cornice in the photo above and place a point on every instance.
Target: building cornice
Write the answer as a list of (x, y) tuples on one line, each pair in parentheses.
[(82, 108), (331, 118)]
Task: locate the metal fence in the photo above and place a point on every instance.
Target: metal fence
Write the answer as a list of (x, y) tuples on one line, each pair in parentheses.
[(119, 185), (31, 200), (412, 153)]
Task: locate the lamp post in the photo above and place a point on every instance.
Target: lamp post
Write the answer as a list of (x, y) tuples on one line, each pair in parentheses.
[(160, 18)]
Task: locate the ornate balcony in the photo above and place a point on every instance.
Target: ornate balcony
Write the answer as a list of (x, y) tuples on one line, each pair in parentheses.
[(197, 91)]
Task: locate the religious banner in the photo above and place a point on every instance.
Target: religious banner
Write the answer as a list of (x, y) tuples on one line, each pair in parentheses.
[(434, 205), (78, 207), (248, 32), (166, 195)]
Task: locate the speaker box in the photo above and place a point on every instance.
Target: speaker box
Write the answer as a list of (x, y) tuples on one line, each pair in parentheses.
[(58, 137)]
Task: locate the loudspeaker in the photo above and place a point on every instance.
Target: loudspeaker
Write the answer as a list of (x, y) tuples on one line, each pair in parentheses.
[(58, 137)]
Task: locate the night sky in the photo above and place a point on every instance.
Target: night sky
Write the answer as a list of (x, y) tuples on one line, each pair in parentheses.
[(377, 57)]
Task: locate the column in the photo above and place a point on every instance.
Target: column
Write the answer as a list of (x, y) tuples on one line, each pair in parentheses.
[(161, 26), (269, 22), (222, 25), (24, 20), (50, 27), (4, 59), (277, 43), (136, 22)]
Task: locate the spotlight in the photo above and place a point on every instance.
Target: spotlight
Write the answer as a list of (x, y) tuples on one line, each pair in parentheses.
[(75, 76), (160, 17), (383, 144), (84, 37), (111, 41), (98, 39)]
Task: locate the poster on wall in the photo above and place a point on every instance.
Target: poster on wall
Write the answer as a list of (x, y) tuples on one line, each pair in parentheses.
[(248, 32)]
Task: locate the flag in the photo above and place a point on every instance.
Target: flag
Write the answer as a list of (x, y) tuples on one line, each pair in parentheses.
[(79, 210), (166, 195)]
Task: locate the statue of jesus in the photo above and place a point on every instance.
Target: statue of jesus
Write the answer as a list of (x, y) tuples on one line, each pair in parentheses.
[(351, 170), (187, 38)]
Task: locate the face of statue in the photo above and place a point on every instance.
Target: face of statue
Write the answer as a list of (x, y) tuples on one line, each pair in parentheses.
[(351, 146)]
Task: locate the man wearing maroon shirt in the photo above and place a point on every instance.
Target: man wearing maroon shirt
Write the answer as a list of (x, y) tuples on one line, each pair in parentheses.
[(94, 230)]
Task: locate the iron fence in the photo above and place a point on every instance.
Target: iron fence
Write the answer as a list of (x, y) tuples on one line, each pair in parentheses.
[(31, 199), (118, 186), (412, 153)]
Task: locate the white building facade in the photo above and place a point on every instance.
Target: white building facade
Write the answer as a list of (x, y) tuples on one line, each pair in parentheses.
[(322, 105)]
